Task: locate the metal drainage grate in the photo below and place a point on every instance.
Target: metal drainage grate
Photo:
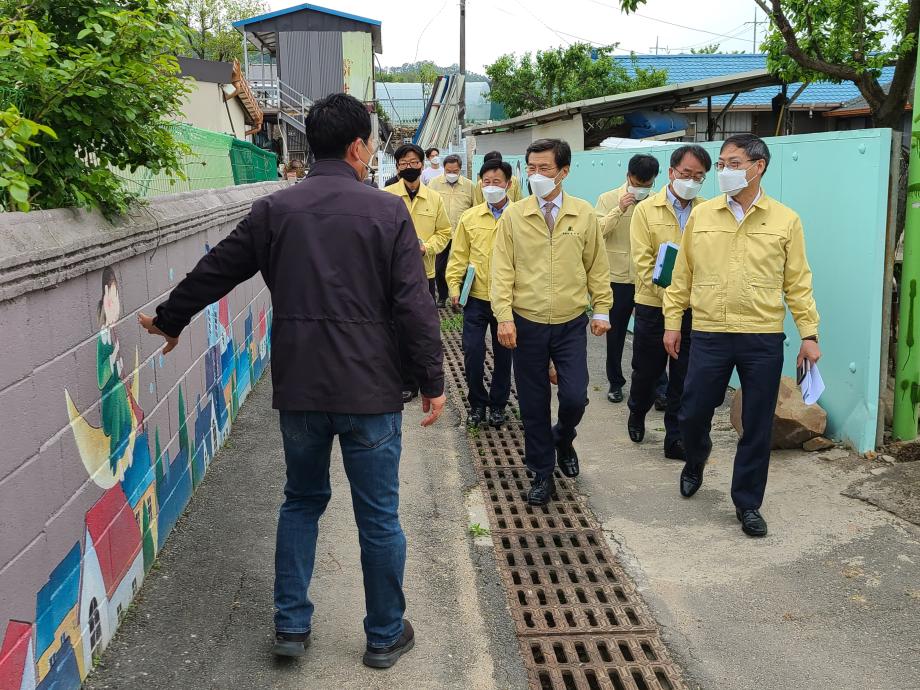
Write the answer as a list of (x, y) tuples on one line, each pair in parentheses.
[(579, 618)]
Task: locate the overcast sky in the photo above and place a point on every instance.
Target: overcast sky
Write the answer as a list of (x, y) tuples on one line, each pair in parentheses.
[(429, 29)]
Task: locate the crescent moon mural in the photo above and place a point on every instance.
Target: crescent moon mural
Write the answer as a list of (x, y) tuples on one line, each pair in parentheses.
[(94, 445)]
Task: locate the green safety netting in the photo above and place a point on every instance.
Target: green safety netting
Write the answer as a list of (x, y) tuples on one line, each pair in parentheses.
[(252, 164), (210, 164)]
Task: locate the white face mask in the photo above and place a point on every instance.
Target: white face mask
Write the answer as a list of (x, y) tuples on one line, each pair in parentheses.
[(639, 192), (541, 185), (493, 194), (371, 168), (452, 177), (733, 181), (686, 189), (435, 161)]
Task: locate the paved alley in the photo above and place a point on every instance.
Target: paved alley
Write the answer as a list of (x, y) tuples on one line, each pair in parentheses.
[(204, 616), (830, 599)]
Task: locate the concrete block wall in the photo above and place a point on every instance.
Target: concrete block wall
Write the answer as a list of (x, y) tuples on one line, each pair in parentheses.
[(102, 439)]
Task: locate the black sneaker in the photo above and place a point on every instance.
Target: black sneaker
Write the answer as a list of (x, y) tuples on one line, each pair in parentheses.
[(408, 396), (661, 403), (497, 417), (385, 657), (291, 644), (476, 417)]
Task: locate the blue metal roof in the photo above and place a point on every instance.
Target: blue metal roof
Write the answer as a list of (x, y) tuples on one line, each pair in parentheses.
[(306, 6), (684, 68)]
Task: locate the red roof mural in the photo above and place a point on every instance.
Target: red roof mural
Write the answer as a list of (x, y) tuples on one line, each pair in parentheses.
[(14, 654), (116, 536)]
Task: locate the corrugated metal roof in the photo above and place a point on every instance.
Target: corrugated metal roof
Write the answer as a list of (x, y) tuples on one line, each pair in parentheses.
[(684, 68), (306, 6), (670, 96)]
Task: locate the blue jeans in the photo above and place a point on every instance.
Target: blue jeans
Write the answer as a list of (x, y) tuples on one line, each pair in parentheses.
[(371, 446)]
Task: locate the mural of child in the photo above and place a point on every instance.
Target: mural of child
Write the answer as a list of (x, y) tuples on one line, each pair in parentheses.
[(107, 451), (116, 410)]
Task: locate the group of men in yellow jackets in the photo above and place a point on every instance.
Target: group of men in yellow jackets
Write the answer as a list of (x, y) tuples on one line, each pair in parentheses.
[(551, 267)]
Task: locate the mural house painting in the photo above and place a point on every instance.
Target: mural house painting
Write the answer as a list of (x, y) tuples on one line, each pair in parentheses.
[(144, 489)]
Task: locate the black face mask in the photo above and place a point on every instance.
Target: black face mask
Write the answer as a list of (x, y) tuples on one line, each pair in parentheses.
[(410, 174)]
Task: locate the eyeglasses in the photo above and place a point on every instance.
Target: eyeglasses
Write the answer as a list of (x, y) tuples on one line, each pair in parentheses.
[(402, 165), (547, 170), (684, 175), (733, 164)]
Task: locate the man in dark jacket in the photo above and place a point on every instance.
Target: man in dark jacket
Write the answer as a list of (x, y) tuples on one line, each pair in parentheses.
[(343, 266)]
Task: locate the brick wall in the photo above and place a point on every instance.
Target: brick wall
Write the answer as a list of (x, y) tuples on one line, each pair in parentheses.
[(103, 439)]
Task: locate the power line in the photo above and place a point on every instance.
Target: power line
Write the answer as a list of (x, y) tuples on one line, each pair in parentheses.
[(419, 42), (547, 26), (737, 34), (663, 21)]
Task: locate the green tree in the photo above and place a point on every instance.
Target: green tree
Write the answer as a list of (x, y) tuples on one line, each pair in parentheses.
[(210, 34), (562, 75), (96, 83), (843, 40), (713, 49)]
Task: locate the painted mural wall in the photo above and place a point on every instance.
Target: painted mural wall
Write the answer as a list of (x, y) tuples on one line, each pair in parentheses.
[(104, 442)]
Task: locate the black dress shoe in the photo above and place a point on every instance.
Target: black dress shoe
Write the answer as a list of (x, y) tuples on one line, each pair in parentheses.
[(291, 644), (661, 403), (476, 417), (752, 522), (567, 459), (497, 417), (615, 395), (635, 425), (691, 479), (541, 490), (407, 396), (675, 451), (387, 656)]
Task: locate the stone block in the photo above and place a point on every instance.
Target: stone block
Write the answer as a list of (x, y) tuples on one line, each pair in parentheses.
[(794, 422)]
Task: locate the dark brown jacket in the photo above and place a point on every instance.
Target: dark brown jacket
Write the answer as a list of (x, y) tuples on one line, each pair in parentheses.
[(342, 262)]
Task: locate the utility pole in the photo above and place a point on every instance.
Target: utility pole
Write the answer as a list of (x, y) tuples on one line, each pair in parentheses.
[(461, 115), (755, 23), (656, 46)]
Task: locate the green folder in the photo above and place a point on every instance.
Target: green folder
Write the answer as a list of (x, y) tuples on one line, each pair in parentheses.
[(467, 284), (664, 264)]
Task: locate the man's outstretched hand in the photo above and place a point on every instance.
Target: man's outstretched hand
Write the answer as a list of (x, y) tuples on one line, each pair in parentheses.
[(433, 407), (150, 327)]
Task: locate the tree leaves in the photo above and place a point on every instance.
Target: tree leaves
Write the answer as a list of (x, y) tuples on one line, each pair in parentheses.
[(96, 88), (563, 75), (843, 40)]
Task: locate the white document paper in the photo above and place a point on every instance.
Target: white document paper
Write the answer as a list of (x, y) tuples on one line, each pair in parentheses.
[(812, 385)]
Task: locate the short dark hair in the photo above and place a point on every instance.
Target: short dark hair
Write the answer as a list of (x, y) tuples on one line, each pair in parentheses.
[(406, 149), (694, 150), (492, 156), (562, 152), (432, 150), (452, 158), (754, 147), (334, 122), (493, 164), (643, 167)]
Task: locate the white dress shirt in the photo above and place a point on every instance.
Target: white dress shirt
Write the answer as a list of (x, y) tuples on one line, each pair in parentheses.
[(736, 207), (683, 212)]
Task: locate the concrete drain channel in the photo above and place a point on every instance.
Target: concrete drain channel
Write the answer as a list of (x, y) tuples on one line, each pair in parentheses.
[(580, 622)]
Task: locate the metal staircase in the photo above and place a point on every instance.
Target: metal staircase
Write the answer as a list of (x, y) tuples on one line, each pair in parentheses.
[(290, 105)]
